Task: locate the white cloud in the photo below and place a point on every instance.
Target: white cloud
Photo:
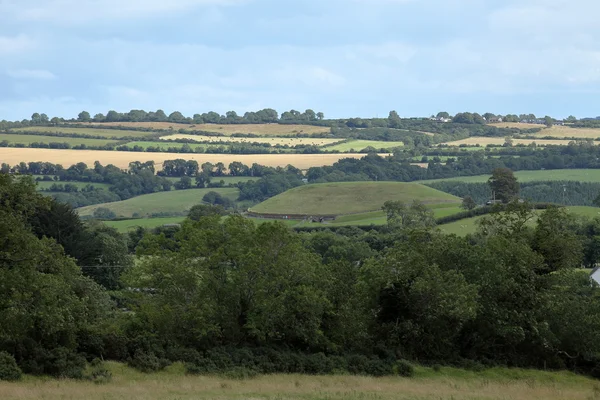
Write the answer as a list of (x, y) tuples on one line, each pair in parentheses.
[(79, 12), (15, 44), (39, 74)]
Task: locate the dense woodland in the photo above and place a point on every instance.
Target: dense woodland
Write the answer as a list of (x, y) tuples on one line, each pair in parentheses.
[(223, 295)]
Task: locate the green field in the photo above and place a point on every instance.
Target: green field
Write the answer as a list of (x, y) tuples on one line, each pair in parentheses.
[(148, 223), (469, 225), (581, 175), (28, 139), (349, 198), (358, 145), (173, 202), (427, 384), (108, 133)]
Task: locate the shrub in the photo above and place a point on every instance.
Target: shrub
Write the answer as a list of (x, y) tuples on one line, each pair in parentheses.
[(9, 370), (200, 366), (98, 373), (318, 364), (147, 362), (59, 362), (357, 364), (404, 368), (378, 368)]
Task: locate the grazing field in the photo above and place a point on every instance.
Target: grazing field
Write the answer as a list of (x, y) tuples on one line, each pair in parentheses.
[(122, 159), (28, 139), (175, 201), (581, 175), (447, 383), (484, 141), (587, 212), (270, 140), (227, 129), (125, 226), (348, 198), (358, 145), (108, 133)]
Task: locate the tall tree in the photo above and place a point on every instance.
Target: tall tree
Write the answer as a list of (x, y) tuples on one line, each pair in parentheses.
[(504, 184)]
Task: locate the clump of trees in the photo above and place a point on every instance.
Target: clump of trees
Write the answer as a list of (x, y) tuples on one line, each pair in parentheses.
[(245, 298)]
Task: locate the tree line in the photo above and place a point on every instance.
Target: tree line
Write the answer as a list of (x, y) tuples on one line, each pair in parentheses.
[(225, 295)]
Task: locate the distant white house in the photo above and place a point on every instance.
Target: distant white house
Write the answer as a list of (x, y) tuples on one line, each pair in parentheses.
[(595, 275)]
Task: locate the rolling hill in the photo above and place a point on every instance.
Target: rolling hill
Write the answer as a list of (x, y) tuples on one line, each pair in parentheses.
[(173, 202), (349, 198)]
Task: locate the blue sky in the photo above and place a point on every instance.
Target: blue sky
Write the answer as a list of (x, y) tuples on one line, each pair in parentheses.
[(346, 58)]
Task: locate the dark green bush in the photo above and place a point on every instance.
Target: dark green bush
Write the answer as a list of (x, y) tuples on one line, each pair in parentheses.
[(98, 373), (59, 362), (357, 364), (377, 367), (147, 362), (404, 368), (9, 370), (200, 366)]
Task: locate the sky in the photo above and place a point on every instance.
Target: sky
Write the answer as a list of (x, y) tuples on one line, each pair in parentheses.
[(346, 58)]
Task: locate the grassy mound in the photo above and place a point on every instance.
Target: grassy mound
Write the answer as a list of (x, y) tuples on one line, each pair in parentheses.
[(349, 198), (173, 202)]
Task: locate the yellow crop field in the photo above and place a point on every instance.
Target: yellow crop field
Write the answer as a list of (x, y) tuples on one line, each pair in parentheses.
[(517, 125), (484, 141), (122, 159), (226, 129), (557, 131), (271, 140)]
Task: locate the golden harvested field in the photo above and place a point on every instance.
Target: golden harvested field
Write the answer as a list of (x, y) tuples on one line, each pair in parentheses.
[(568, 132), (122, 159), (483, 141), (271, 140), (517, 125), (227, 129), (173, 384), (556, 131)]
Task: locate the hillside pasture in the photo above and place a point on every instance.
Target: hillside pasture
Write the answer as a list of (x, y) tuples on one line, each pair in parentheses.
[(172, 202), (127, 225), (358, 145), (270, 140), (484, 141), (580, 175), (348, 198), (427, 384), (108, 133), (16, 138), (122, 159), (226, 129)]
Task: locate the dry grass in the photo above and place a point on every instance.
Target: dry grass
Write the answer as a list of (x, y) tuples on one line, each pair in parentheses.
[(517, 125), (271, 140), (170, 385), (556, 131), (227, 129), (122, 159), (483, 141)]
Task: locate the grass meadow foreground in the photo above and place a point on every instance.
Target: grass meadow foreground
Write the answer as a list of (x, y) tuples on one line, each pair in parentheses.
[(447, 383)]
